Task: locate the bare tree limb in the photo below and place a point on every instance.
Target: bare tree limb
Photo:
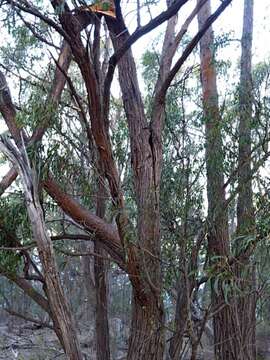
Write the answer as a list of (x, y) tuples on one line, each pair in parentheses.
[(28, 318)]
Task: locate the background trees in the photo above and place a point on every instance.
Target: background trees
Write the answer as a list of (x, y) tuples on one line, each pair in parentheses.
[(120, 176)]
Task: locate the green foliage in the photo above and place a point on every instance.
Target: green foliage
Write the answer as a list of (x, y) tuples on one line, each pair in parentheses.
[(263, 210), (9, 261), (261, 74), (223, 40), (13, 214), (21, 52), (150, 63), (35, 113), (14, 222), (106, 6)]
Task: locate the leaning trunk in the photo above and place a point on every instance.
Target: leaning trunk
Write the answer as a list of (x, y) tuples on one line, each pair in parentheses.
[(59, 308)]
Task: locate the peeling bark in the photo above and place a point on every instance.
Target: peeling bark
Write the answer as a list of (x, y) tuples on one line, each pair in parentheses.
[(59, 307)]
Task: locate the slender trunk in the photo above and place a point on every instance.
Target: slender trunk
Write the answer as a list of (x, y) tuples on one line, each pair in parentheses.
[(184, 295), (102, 323), (234, 325), (60, 309), (186, 267), (88, 283), (185, 312), (218, 238), (245, 271), (181, 318)]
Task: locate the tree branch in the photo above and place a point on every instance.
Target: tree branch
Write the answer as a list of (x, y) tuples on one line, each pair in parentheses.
[(190, 47), (105, 232), (28, 318), (131, 39), (9, 112)]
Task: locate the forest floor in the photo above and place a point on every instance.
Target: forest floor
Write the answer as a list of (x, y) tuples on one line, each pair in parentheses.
[(23, 341), (27, 343)]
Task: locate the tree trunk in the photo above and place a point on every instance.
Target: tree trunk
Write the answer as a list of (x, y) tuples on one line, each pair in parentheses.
[(181, 318), (100, 269), (88, 283), (218, 238), (102, 323), (147, 334), (245, 271), (184, 296), (234, 325), (147, 339)]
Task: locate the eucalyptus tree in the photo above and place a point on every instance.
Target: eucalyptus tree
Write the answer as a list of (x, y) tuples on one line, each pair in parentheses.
[(246, 223), (234, 321), (218, 235), (134, 246)]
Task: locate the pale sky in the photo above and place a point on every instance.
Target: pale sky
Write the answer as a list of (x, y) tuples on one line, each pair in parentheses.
[(230, 20)]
